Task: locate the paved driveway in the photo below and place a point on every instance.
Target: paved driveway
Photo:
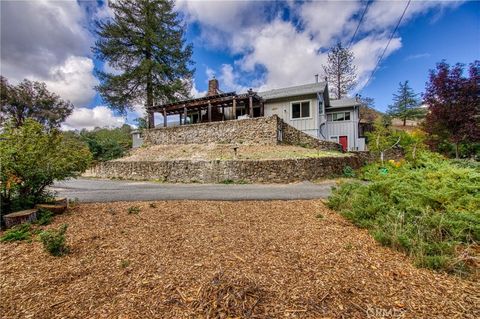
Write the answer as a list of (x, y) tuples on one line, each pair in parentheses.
[(96, 190)]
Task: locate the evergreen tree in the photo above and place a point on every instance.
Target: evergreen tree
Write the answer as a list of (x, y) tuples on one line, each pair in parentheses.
[(340, 70), (406, 104), (31, 99), (145, 42)]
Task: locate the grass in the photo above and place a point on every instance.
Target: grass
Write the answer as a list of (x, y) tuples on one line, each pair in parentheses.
[(429, 209), (133, 210)]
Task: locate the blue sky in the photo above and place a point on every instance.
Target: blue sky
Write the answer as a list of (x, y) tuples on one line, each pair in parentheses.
[(258, 44)]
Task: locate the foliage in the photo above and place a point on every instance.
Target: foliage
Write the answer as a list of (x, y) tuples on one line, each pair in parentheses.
[(107, 144), (145, 43), (31, 100), (367, 110), (454, 106), (141, 123), (53, 240), (16, 233), (406, 104), (133, 210), (348, 171), (428, 208), (340, 70), (32, 158), (44, 217)]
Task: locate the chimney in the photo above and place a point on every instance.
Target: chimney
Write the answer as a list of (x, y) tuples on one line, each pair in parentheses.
[(212, 87), (316, 78)]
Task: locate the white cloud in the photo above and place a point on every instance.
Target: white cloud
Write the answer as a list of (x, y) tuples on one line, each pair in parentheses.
[(74, 80), (292, 52), (99, 116)]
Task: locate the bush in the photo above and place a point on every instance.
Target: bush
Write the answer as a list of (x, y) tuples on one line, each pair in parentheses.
[(16, 233), (44, 217), (133, 210), (348, 171), (33, 158), (428, 208), (107, 144), (54, 241)]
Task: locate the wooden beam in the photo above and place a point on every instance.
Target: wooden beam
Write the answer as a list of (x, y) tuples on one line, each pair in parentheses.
[(250, 105), (209, 111), (234, 108), (164, 117)]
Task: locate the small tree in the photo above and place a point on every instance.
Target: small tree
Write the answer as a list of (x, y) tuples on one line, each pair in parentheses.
[(145, 42), (31, 99), (453, 105), (340, 70), (405, 104), (32, 158), (381, 139)]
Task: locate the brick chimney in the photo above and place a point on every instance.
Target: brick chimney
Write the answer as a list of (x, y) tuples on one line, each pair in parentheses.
[(212, 87)]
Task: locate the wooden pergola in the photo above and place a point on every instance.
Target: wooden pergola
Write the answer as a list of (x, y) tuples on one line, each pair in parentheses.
[(207, 109)]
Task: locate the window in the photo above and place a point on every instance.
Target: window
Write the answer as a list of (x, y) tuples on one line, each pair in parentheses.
[(300, 110), (339, 116), (334, 139)]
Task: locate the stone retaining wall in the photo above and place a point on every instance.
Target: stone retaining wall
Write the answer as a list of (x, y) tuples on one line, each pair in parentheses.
[(261, 171), (262, 130)]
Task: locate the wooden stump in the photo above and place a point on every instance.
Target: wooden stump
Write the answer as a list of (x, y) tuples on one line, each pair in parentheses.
[(54, 208), (24, 216)]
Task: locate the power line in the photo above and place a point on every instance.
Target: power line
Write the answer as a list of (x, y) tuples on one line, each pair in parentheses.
[(388, 43), (359, 23)]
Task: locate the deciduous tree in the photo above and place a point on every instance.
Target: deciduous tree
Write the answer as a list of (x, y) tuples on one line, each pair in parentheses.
[(145, 43), (340, 70), (453, 101), (31, 99)]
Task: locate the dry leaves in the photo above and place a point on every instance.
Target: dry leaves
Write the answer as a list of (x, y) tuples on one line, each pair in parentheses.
[(194, 259)]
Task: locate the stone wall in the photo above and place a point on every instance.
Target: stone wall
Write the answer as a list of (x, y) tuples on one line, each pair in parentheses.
[(261, 130), (261, 171), (292, 136)]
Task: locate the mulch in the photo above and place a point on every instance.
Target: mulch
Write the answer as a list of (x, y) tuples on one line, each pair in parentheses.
[(206, 259)]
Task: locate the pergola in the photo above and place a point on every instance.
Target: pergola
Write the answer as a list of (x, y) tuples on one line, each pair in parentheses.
[(211, 104)]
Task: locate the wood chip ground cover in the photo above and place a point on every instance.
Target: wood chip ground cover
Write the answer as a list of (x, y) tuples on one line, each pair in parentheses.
[(191, 259)]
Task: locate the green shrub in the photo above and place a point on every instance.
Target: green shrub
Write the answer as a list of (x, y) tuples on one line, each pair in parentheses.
[(16, 233), (427, 208), (348, 171), (44, 217), (133, 210), (54, 241)]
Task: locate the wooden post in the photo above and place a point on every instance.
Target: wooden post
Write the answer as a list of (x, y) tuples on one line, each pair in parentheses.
[(209, 111), (164, 117), (223, 112), (250, 105), (199, 115), (234, 108), (150, 119), (180, 118), (262, 109), (184, 115)]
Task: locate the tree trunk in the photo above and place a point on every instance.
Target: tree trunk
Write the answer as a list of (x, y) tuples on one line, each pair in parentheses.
[(404, 121), (456, 151)]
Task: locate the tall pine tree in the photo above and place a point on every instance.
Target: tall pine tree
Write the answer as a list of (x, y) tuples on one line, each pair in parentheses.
[(340, 70), (145, 43), (406, 105)]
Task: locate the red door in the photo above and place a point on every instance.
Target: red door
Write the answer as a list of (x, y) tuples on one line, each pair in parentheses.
[(344, 142)]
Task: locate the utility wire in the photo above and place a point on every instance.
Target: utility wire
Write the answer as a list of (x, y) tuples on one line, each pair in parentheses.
[(359, 23), (388, 43)]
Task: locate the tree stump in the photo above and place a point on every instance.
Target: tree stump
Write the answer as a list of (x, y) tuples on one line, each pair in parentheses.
[(24, 216), (54, 208)]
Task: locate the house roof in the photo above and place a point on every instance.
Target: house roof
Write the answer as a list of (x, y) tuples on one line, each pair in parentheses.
[(294, 91), (347, 102)]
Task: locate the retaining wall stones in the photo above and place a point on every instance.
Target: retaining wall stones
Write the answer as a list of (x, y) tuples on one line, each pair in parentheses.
[(251, 171), (261, 130)]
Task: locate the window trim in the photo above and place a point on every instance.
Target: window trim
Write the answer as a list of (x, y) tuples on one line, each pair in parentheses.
[(331, 113), (301, 118)]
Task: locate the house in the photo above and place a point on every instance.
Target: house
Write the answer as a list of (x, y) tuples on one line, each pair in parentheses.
[(308, 108)]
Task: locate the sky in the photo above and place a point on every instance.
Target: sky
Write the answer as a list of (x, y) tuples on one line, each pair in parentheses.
[(244, 44)]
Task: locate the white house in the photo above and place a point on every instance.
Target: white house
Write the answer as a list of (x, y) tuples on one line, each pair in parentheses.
[(308, 108)]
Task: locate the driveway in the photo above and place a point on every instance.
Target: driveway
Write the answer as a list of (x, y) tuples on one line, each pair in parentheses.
[(97, 190)]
